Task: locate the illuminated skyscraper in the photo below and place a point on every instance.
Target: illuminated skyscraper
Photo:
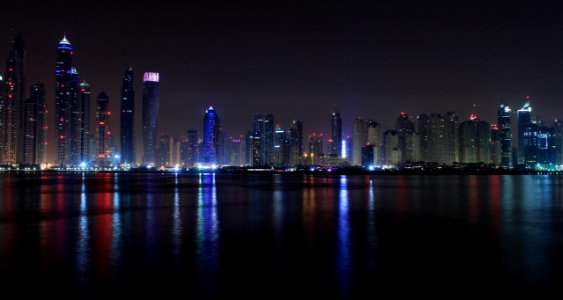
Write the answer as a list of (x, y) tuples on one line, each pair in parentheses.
[(127, 116), (452, 145), (558, 131), (191, 148), (13, 103), (279, 138), (151, 104), (436, 143), (423, 129), (374, 137), (316, 149), (264, 125), (75, 119), (63, 100), (504, 119), (336, 134), (102, 129), (211, 138), (405, 129), (392, 151), (495, 148), (85, 133), (524, 115)]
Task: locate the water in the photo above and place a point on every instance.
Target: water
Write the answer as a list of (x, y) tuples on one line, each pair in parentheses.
[(270, 236)]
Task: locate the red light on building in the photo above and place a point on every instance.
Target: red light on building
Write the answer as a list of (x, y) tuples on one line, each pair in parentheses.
[(61, 137), (102, 123)]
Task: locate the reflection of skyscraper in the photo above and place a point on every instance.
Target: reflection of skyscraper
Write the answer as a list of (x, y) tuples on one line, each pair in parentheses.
[(102, 129), (336, 134), (524, 115), (504, 119), (127, 117), (211, 137), (63, 100), (85, 134), (13, 103), (151, 104)]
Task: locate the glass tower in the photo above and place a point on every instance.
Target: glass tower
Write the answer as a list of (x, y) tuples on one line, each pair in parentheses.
[(151, 103), (63, 73), (127, 117), (336, 134), (524, 115), (211, 138), (504, 119)]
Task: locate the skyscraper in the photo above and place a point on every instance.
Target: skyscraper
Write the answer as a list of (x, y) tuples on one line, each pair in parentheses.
[(374, 137), (296, 142), (85, 133), (279, 137), (316, 149), (436, 143), (75, 119), (558, 130), (423, 129), (211, 138), (13, 103), (336, 134), (452, 147), (63, 100), (524, 115), (264, 125), (495, 148), (127, 116), (504, 119), (474, 141), (359, 139), (151, 104), (392, 151), (37, 94), (102, 129), (405, 129), (191, 155)]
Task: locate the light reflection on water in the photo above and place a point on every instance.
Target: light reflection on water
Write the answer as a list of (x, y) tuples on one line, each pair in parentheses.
[(352, 231)]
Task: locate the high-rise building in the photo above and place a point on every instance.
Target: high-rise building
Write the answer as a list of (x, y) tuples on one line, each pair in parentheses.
[(13, 103), (151, 104), (405, 129), (255, 149), (37, 94), (75, 120), (452, 144), (2, 123), (211, 138), (495, 147), (436, 143), (85, 133), (296, 142), (392, 150), (474, 141), (524, 115), (374, 139), (558, 131), (279, 137), (127, 140), (367, 155), (191, 149), (264, 125), (102, 129), (63, 100), (30, 132), (423, 129), (164, 151), (547, 146), (359, 139), (336, 134), (315, 154), (504, 119)]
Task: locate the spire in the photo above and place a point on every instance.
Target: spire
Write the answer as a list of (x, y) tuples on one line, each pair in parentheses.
[(64, 40)]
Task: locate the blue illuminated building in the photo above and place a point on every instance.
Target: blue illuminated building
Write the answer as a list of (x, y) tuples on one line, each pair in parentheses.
[(127, 116), (151, 104), (63, 100), (211, 138)]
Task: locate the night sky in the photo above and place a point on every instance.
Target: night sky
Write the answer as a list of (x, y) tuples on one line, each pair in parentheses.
[(298, 60)]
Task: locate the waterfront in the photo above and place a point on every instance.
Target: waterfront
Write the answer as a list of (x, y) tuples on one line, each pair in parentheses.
[(264, 236)]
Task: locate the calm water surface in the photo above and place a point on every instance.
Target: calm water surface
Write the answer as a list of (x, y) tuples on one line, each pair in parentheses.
[(271, 236)]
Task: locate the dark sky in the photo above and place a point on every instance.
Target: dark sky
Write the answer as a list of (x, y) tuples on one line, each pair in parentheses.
[(298, 60)]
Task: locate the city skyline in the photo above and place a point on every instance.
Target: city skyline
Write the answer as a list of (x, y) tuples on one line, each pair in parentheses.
[(358, 59)]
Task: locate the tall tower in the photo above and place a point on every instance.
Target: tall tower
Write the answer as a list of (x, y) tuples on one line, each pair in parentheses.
[(524, 115), (296, 142), (264, 125), (359, 139), (14, 98), (336, 133), (63, 102), (504, 119), (102, 129), (151, 104), (85, 133), (127, 117), (211, 137), (452, 147), (75, 119), (405, 129), (37, 94), (474, 141)]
